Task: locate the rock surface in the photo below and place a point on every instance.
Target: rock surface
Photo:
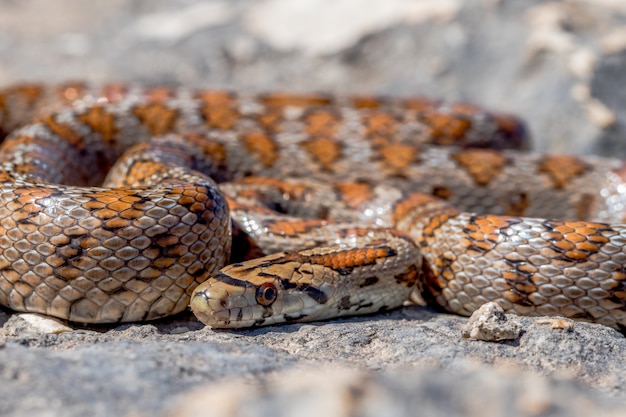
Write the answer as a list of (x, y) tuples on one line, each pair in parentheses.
[(558, 64), (411, 356), (347, 392)]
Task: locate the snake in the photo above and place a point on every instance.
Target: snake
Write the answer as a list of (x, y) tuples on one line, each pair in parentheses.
[(124, 203)]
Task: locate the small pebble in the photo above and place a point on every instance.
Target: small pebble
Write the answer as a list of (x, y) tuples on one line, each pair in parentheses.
[(489, 323), (45, 324)]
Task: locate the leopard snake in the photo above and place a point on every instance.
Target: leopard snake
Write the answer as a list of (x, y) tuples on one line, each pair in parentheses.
[(331, 205)]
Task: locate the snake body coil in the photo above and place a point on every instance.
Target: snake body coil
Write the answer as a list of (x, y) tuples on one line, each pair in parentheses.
[(338, 209)]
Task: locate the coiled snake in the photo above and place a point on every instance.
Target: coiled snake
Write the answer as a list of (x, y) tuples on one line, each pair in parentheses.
[(353, 200)]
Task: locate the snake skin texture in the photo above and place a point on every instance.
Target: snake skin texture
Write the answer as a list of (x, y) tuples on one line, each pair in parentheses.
[(356, 200)]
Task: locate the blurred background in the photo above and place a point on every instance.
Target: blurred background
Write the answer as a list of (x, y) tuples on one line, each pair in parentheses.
[(559, 64)]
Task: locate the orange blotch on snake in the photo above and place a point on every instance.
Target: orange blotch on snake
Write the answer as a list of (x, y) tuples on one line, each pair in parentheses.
[(563, 245), (420, 104), (525, 287), (220, 117), (100, 121), (131, 214), (563, 228), (435, 223), (216, 97), (350, 258), (295, 100), (156, 117), (562, 169), (24, 199), (262, 146), (409, 277), (292, 228), (106, 197), (446, 129), (321, 123), (587, 247), (219, 110), (117, 223), (64, 131), (271, 119), (414, 201), (33, 192), (355, 194), (576, 255), (598, 239), (187, 200), (380, 124), (67, 251), (87, 242), (513, 297), (588, 229), (486, 228), (32, 208), (513, 276), (31, 92), (365, 102), (119, 206), (324, 150), (481, 164), (216, 151), (575, 237), (399, 156), (104, 214)]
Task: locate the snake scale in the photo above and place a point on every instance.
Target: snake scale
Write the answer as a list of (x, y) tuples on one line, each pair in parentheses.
[(109, 208)]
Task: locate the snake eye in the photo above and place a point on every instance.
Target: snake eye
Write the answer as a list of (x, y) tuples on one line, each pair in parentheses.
[(266, 294)]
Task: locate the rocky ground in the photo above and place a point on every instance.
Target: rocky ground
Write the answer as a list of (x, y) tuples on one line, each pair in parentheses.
[(407, 362), (558, 64)]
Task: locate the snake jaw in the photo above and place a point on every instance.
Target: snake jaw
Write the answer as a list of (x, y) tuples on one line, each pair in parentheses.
[(208, 305), (199, 304)]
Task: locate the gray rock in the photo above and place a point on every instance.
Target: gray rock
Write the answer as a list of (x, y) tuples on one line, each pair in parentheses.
[(149, 369), (478, 392)]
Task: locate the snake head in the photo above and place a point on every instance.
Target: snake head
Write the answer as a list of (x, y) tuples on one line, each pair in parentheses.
[(308, 285), (269, 290)]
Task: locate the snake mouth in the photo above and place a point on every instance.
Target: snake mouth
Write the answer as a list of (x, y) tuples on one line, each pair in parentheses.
[(236, 317), (211, 306), (198, 305)]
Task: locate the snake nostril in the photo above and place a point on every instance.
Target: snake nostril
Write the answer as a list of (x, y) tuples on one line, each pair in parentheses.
[(210, 299)]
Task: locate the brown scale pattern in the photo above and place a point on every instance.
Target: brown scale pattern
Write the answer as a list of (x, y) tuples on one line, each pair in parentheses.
[(136, 247), (528, 266)]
